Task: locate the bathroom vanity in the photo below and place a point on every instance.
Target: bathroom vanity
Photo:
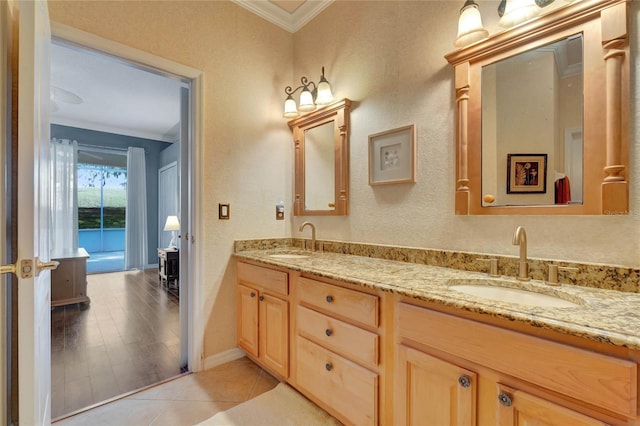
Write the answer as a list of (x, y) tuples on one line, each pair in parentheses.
[(376, 341)]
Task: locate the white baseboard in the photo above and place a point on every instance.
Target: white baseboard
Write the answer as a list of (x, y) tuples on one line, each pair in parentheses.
[(223, 357)]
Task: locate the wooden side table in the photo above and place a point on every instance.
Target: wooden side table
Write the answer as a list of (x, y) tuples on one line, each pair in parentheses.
[(69, 281), (169, 267)]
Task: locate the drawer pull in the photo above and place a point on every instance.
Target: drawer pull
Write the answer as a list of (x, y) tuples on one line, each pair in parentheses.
[(328, 366), (329, 298), (464, 381), (253, 294), (328, 332), (504, 399), (261, 298)]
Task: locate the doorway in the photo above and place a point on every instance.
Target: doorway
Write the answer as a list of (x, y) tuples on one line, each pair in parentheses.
[(133, 333)]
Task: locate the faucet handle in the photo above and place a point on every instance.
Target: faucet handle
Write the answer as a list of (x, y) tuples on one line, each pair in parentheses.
[(553, 273), (493, 266)]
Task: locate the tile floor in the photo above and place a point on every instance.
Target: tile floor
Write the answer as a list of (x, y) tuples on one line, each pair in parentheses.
[(187, 400), (125, 339)]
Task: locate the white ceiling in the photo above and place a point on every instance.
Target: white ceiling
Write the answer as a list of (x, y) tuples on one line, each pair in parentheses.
[(119, 98), (116, 97), (288, 14)]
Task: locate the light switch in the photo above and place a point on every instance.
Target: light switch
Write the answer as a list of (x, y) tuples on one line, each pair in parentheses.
[(223, 211)]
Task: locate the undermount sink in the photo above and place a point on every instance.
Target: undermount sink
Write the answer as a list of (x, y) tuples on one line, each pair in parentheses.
[(289, 256), (513, 295)]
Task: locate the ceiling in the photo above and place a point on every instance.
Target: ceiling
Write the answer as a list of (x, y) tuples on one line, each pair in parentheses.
[(97, 92), (288, 14)]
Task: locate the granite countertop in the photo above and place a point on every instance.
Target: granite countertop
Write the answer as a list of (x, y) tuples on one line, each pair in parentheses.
[(607, 316)]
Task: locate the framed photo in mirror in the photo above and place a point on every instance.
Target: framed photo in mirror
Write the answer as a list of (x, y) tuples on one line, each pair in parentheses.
[(526, 173), (392, 156)]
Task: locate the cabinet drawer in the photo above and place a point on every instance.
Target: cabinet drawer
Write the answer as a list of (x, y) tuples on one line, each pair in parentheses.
[(348, 340), (268, 279), (594, 378), (349, 390), (350, 304)]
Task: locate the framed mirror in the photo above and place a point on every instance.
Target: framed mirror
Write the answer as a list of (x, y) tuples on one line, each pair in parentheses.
[(321, 142), (542, 115)]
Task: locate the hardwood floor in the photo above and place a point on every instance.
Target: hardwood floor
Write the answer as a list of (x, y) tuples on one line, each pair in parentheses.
[(128, 337)]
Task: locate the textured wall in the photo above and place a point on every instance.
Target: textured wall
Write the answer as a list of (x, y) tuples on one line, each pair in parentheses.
[(388, 57), (247, 150)]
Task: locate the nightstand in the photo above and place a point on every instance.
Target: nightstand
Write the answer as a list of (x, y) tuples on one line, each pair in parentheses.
[(169, 267)]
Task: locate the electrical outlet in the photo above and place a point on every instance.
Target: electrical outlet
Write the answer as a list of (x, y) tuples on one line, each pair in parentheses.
[(280, 211)]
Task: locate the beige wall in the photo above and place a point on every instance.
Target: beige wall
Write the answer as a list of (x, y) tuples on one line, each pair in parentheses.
[(247, 150), (387, 56)]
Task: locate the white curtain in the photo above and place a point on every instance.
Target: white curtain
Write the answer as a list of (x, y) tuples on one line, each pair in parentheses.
[(136, 245), (64, 197)]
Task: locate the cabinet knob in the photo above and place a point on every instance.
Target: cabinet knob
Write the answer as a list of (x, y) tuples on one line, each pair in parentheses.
[(328, 366), (328, 332), (253, 294), (261, 298), (464, 381), (329, 298), (505, 399)]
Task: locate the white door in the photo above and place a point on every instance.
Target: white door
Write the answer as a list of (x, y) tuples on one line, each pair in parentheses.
[(167, 200), (34, 304), (5, 280)]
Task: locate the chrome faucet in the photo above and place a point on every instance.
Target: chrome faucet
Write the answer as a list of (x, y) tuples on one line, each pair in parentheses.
[(520, 238), (313, 235)]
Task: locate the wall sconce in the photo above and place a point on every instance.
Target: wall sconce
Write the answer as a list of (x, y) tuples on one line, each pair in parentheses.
[(518, 11), (321, 92), (470, 27), (172, 224)]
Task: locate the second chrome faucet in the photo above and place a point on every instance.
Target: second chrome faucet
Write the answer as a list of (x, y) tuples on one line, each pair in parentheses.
[(520, 239)]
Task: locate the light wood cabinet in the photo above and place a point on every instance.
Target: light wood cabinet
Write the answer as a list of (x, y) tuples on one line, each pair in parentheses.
[(515, 407), (338, 350), (263, 316), (525, 379), (434, 391)]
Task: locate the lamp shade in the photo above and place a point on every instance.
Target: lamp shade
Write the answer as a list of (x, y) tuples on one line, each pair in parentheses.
[(290, 108), (172, 224), (306, 101), (518, 11), (470, 27), (324, 96)]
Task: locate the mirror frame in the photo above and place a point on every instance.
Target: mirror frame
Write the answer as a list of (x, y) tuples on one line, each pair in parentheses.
[(604, 25), (338, 113)]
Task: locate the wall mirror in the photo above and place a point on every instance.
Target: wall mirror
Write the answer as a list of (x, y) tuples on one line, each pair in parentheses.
[(321, 142), (542, 115)]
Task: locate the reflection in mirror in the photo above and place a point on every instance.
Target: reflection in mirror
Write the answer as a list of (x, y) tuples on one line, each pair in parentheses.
[(532, 126), (319, 172)]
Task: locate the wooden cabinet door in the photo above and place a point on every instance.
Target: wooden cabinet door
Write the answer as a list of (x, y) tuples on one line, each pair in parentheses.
[(431, 391), (274, 334), (518, 408), (247, 299)]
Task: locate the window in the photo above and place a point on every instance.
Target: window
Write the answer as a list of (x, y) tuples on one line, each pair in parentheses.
[(102, 196)]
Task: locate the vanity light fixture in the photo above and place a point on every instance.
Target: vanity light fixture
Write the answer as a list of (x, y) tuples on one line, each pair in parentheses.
[(518, 11), (470, 27), (310, 90)]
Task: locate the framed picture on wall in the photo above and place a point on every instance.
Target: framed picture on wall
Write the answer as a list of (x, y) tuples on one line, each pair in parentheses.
[(526, 173), (392, 156)]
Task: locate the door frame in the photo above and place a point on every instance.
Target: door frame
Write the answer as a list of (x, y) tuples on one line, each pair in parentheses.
[(150, 62)]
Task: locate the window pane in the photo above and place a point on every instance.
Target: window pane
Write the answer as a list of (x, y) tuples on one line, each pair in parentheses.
[(115, 196), (101, 186), (89, 185)]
